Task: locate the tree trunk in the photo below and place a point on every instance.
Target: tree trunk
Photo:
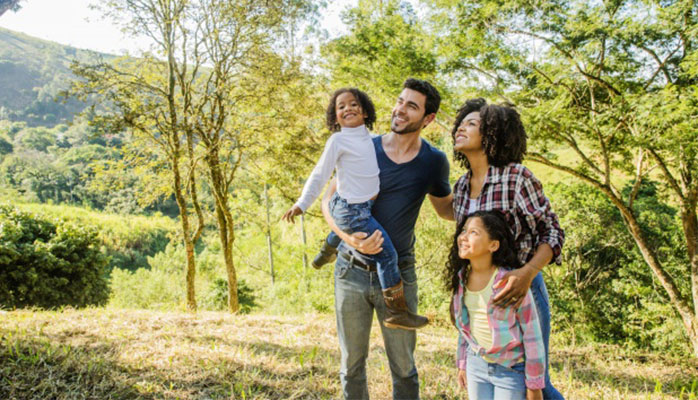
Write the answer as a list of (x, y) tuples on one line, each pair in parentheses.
[(269, 244), (226, 231), (688, 317), (186, 234)]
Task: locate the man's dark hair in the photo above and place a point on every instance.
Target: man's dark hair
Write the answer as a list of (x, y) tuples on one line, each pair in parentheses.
[(503, 134), (433, 97), (364, 101), (497, 228)]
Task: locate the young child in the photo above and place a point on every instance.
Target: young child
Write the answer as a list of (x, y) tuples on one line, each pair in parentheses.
[(350, 150), (500, 350)]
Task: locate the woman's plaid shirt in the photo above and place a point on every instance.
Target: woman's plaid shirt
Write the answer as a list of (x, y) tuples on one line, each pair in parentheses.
[(514, 190)]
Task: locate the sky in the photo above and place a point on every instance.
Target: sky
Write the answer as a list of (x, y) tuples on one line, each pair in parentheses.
[(73, 23)]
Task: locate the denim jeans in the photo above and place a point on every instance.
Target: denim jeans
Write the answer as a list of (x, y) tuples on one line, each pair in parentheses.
[(357, 295), (540, 296), (356, 217), (491, 381)]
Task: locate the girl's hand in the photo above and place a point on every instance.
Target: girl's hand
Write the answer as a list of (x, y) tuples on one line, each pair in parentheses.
[(516, 283), (292, 213), (534, 394), (463, 380)]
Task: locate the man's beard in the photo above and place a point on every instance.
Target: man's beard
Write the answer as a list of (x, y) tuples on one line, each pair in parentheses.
[(409, 128)]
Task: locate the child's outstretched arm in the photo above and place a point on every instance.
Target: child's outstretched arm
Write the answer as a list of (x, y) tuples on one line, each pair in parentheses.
[(317, 179), (292, 213), (534, 349)]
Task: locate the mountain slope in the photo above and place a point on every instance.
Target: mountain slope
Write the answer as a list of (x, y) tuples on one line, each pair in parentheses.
[(32, 72)]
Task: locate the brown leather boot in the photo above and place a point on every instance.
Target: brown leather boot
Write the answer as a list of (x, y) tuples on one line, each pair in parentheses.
[(398, 316)]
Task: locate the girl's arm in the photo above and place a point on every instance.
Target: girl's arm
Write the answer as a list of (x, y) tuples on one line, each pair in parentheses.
[(320, 175), (534, 349)]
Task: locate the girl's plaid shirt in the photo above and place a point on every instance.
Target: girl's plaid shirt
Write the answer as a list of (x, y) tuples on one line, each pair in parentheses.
[(516, 335), (514, 190)]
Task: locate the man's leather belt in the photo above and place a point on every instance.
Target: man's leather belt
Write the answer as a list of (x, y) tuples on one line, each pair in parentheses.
[(357, 263)]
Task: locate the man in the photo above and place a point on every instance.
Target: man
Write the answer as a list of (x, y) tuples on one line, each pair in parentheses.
[(410, 169)]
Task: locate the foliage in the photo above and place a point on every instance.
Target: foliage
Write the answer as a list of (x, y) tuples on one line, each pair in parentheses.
[(127, 241), (603, 291), (49, 263)]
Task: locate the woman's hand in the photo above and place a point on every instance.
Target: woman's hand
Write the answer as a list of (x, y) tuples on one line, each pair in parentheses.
[(292, 213), (534, 394), (516, 283), (463, 380)]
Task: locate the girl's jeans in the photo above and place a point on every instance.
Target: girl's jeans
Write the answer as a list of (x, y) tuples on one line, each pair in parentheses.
[(540, 296), (356, 217), (491, 381)]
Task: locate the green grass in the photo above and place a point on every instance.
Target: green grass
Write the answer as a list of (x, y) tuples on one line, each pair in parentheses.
[(123, 354)]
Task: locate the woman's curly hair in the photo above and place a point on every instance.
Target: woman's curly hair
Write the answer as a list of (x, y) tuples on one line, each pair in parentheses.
[(503, 134), (498, 229), (363, 99)]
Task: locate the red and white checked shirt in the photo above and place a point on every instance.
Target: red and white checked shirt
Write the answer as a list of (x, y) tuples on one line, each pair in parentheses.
[(514, 190)]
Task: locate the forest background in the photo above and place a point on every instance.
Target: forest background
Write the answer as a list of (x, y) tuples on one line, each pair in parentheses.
[(156, 181)]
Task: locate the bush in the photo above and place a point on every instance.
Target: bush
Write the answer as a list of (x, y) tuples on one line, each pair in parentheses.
[(217, 296), (49, 264), (605, 291)]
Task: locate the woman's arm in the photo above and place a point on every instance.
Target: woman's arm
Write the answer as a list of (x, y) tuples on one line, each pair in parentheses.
[(531, 204)]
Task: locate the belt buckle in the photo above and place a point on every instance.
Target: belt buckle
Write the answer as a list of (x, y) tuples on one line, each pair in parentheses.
[(353, 261)]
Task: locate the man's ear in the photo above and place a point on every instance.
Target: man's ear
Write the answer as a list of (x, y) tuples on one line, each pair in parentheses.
[(428, 120), (494, 245)]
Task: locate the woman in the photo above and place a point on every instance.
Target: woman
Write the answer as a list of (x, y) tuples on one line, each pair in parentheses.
[(490, 141)]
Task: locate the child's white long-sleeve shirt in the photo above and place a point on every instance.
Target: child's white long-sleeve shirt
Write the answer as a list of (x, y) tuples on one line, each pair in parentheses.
[(352, 153)]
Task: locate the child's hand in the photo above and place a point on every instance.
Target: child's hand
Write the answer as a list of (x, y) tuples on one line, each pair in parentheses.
[(534, 394), (292, 213), (463, 380)]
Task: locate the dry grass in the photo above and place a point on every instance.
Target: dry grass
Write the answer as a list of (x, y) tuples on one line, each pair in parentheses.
[(120, 354)]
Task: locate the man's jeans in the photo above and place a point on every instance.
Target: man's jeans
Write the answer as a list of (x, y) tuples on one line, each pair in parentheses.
[(357, 295), (356, 217), (540, 296)]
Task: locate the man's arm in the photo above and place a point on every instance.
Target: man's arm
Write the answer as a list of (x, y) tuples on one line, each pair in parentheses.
[(358, 240), (443, 206)]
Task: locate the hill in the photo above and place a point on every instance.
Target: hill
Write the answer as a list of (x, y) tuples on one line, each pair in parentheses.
[(32, 72), (128, 354)]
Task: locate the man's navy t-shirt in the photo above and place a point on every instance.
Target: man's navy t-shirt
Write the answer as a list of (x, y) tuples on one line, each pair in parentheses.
[(402, 191)]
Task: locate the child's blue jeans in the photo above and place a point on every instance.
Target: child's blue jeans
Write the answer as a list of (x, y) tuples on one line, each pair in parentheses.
[(356, 217), (491, 381)]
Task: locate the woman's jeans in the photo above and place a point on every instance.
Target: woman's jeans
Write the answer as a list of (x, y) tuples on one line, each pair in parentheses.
[(491, 381), (540, 296), (357, 294), (356, 217)]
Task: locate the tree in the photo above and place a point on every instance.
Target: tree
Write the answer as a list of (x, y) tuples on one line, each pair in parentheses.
[(608, 91), (9, 5), (152, 99)]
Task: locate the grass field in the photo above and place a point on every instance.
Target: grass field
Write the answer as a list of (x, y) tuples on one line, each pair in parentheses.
[(122, 354)]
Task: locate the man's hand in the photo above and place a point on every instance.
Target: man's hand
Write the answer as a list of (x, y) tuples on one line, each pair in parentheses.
[(516, 283), (534, 394), (291, 214), (462, 379), (366, 245)]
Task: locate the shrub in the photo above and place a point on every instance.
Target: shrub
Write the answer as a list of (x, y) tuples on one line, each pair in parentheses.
[(49, 264)]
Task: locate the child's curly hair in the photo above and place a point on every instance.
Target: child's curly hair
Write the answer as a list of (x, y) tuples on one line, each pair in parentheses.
[(503, 134), (361, 97), (498, 229)]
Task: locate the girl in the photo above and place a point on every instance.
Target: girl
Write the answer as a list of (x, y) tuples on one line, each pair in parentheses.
[(500, 350), (350, 150)]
